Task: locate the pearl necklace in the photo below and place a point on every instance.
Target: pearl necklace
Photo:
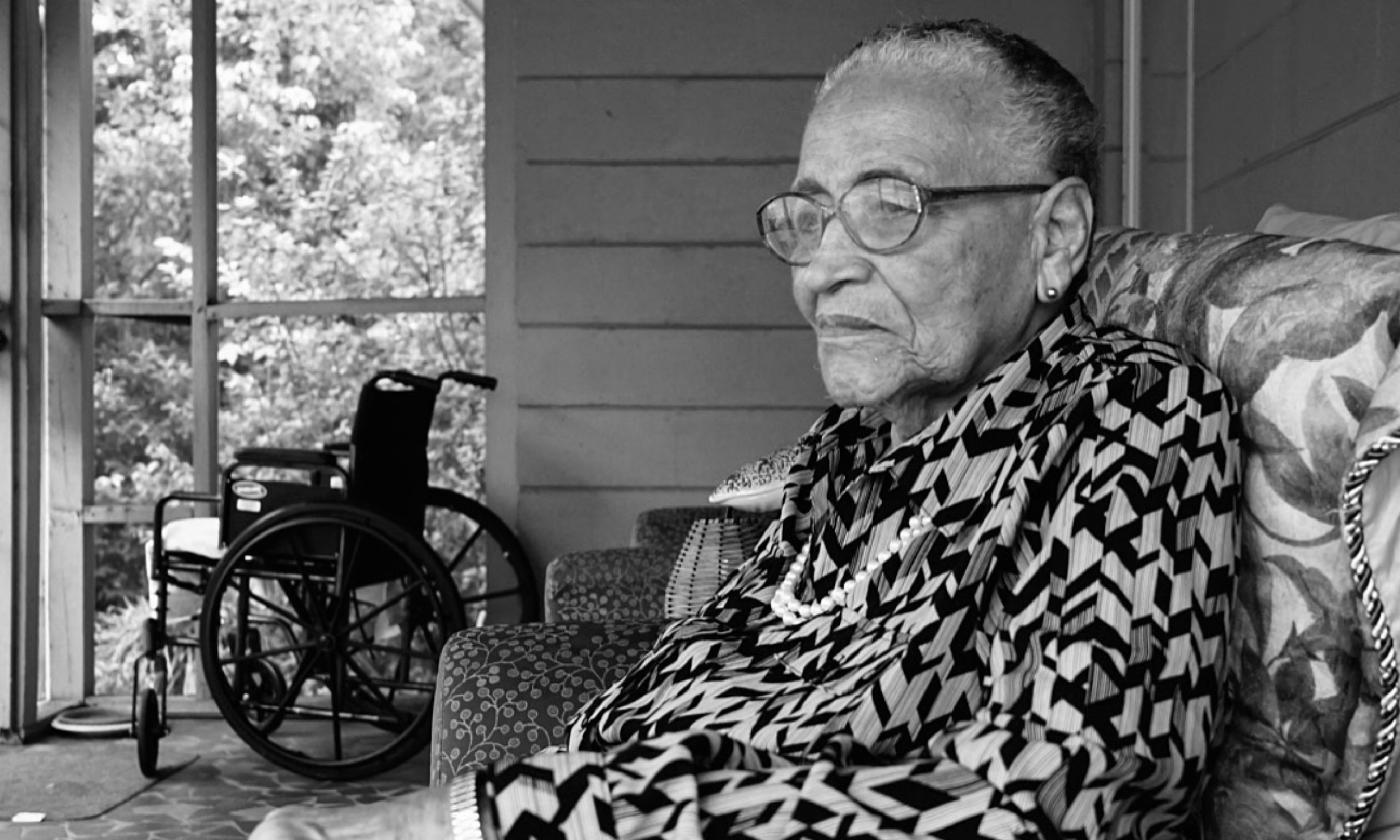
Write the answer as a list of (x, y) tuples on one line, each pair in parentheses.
[(792, 610)]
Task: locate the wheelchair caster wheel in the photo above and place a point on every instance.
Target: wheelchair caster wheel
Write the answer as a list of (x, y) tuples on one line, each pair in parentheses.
[(148, 732), (264, 692)]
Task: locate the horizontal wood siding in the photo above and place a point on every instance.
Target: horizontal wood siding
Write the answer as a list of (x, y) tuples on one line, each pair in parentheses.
[(677, 448), (626, 203), (707, 120), (653, 343), (685, 285), (1296, 103), (743, 38), (578, 366)]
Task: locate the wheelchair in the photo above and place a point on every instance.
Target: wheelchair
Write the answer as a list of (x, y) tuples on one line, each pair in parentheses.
[(326, 586)]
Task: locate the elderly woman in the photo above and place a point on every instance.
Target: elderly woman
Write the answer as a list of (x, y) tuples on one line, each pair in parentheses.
[(995, 603)]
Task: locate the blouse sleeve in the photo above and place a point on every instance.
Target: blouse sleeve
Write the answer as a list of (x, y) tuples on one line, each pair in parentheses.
[(1105, 672)]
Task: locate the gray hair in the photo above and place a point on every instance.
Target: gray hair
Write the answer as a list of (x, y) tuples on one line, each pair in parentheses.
[(1051, 120)]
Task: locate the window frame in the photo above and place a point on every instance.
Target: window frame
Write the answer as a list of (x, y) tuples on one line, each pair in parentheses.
[(48, 664)]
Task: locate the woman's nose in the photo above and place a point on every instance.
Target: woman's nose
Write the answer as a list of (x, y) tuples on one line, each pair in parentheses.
[(837, 259)]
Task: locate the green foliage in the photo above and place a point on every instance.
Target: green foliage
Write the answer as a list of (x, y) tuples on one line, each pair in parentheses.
[(349, 166), (117, 636)]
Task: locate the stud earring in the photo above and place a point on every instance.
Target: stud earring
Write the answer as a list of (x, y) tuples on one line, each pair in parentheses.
[(1051, 292)]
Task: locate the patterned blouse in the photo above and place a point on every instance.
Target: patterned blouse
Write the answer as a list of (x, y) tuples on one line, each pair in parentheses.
[(1047, 659)]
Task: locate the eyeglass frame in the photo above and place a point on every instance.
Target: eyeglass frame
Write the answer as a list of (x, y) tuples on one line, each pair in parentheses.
[(927, 196)]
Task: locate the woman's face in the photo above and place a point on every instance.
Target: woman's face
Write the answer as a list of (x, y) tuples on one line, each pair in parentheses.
[(921, 325)]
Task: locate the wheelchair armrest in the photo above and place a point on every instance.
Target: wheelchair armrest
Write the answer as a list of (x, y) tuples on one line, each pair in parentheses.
[(158, 537), (508, 690), (271, 456)]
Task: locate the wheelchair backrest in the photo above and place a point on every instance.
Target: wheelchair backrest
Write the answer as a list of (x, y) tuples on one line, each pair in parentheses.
[(389, 446), (263, 479)]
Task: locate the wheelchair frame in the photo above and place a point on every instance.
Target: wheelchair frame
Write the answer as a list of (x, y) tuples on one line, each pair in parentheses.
[(325, 571)]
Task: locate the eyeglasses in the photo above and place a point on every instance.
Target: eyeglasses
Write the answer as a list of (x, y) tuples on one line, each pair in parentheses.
[(880, 214)]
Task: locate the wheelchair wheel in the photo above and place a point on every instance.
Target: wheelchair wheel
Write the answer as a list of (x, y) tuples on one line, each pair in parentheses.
[(261, 683), (347, 610), (148, 732), (492, 573)]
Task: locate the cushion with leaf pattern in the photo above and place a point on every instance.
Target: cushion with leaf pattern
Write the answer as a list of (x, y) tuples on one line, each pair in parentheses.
[(1303, 334), (508, 690)]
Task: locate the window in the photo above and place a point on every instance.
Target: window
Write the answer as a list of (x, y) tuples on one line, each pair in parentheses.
[(274, 203)]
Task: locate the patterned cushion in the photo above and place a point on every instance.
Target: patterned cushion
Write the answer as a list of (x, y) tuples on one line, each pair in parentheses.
[(1303, 333), (758, 485), (1381, 231), (506, 691), (610, 584)]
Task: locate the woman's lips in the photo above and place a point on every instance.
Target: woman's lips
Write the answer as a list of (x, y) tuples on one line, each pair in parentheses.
[(837, 326)]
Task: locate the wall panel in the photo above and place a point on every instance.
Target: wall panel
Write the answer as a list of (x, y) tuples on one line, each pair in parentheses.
[(1345, 173), (577, 447), (744, 38), (1296, 103), (732, 285), (670, 120), (644, 204), (761, 368)]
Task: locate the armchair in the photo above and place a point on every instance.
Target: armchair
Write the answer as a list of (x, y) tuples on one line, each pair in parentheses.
[(1303, 333), (631, 583)]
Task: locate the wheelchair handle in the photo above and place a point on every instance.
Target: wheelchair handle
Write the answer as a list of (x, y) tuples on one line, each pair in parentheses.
[(407, 378), (478, 380)]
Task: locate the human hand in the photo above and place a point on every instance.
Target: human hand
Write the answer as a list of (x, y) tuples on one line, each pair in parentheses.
[(293, 823), (422, 815)]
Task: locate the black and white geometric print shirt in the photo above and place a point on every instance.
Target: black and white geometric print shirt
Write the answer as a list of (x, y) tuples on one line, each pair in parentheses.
[(1046, 660)]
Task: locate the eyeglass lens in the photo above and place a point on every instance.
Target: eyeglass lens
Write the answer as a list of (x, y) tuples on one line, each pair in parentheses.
[(880, 214)]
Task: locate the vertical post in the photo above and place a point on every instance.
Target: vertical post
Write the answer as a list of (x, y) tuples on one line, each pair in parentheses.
[(1132, 112), (21, 246), (204, 330), (1190, 180), (67, 583), (502, 405)]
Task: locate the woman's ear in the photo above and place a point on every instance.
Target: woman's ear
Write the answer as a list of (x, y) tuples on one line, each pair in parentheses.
[(1064, 225)]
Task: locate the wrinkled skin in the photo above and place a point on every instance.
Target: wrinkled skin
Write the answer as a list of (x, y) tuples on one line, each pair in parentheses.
[(911, 331)]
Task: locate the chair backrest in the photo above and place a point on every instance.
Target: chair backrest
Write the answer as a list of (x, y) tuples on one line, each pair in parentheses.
[(665, 528), (1303, 333), (715, 546), (389, 446)]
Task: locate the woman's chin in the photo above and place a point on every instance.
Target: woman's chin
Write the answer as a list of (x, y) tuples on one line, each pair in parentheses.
[(851, 391)]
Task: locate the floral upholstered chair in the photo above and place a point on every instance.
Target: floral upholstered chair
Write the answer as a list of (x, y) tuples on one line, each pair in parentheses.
[(1304, 334)]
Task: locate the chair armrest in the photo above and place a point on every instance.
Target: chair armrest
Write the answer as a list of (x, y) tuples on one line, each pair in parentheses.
[(508, 690), (610, 584)]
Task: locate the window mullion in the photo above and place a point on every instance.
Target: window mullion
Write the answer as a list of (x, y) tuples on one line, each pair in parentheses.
[(204, 330), (68, 587)]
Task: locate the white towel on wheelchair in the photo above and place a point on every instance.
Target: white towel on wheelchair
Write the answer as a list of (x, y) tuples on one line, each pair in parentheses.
[(194, 535)]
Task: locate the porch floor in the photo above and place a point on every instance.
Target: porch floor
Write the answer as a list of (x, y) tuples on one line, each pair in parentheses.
[(222, 794)]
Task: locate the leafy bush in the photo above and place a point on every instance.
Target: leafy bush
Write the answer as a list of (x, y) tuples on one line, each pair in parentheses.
[(349, 166), (117, 642)]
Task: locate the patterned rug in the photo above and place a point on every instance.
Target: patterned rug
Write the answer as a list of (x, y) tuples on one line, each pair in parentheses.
[(223, 794), (75, 778)]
